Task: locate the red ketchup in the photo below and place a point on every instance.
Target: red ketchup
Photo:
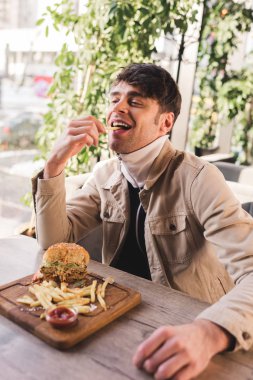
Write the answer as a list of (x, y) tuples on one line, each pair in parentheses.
[(61, 316)]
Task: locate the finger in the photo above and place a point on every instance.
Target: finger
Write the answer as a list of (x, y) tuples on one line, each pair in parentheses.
[(87, 121), (37, 276), (164, 352), (171, 366), (100, 126), (83, 139), (84, 130), (80, 123), (150, 345), (77, 143)]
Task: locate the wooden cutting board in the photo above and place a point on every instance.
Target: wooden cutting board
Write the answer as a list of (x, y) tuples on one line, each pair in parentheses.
[(119, 300)]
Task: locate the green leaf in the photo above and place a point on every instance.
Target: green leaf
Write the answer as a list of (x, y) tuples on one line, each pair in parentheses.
[(40, 21), (46, 31)]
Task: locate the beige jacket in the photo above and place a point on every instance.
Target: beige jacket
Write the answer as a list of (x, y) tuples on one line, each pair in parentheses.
[(198, 238)]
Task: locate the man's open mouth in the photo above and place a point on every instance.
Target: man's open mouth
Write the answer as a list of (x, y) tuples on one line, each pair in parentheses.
[(115, 125)]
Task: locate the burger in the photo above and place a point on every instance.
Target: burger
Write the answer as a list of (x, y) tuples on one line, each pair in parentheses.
[(65, 262)]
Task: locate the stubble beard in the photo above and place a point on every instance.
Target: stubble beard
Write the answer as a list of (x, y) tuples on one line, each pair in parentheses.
[(119, 147)]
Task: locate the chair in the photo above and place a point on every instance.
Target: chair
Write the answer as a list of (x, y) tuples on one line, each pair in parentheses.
[(237, 173), (248, 207)]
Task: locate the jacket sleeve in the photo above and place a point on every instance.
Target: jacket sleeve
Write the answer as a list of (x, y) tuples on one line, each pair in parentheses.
[(57, 221), (230, 229)]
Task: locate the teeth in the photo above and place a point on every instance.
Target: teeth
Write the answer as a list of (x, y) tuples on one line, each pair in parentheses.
[(119, 124)]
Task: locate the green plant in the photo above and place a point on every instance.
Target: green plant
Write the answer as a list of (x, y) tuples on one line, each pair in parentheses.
[(222, 27), (108, 35), (237, 103)]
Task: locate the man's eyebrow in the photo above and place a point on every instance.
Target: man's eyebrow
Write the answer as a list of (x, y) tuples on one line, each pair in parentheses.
[(130, 93)]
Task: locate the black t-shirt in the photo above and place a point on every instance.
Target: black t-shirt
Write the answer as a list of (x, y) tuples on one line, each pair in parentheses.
[(133, 256)]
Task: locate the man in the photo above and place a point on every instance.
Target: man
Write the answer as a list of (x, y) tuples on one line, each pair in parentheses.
[(166, 215)]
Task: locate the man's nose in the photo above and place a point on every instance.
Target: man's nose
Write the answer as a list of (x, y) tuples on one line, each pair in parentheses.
[(121, 106)]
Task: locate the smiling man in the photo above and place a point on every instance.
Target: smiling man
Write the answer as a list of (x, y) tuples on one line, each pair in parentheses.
[(167, 216)]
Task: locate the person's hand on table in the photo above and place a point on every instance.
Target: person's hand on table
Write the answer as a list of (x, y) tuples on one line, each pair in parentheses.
[(181, 352), (37, 276), (79, 133)]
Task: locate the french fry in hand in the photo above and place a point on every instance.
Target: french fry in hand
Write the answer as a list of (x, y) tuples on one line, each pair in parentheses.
[(112, 128)]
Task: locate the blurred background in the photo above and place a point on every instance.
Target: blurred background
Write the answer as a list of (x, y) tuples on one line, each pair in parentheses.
[(26, 72), (57, 59)]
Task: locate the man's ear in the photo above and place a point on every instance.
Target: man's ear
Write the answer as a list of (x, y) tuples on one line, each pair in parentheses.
[(166, 122)]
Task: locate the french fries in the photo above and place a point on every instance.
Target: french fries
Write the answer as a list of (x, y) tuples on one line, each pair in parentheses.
[(112, 128), (100, 298), (83, 309), (49, 294), (41, 295), (92, 291), (108, 280), (75, 302), (26, 300)]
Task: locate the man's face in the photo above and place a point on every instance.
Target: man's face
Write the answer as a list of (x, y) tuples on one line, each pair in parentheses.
[(138, 117)]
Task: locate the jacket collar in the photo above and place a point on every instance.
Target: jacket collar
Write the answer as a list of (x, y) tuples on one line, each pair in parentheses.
[(159, 166)]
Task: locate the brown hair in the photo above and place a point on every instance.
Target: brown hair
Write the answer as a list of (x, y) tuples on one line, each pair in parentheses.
[(154, 82)]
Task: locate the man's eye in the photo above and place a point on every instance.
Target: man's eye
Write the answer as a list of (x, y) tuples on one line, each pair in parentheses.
[(113, 101), (134, 103)]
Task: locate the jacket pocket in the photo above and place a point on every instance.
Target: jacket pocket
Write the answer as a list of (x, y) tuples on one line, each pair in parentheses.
[(172, 237)]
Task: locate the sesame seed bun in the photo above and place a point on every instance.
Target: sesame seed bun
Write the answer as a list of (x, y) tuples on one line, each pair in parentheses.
[(67, 253)]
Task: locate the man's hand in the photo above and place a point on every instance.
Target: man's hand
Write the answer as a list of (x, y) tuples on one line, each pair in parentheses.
[(181, 352), (37, 276), (78, 134)]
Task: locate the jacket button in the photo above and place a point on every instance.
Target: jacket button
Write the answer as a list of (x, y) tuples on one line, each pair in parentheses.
[(106, 214), (246, 335), (173, 227)]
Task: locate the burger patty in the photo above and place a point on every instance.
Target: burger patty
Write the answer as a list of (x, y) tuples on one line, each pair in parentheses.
[(63, 272)]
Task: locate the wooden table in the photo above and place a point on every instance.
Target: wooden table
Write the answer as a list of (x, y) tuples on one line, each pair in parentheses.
[(107, 355)]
